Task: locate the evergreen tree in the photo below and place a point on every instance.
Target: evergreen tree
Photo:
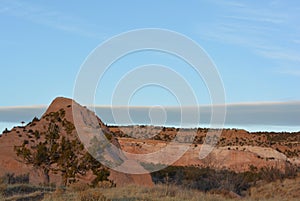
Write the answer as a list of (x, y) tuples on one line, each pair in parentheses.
[(44, 154)]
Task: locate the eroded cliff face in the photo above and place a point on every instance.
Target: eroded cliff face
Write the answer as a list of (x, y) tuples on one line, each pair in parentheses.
[(236, 158), (237, 150)]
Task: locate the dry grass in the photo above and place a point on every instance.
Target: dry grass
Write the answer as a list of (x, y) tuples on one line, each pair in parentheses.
[(158, 193), (134, 193), (172, 193), (287, 190), (89, 194), (31, 196), (276, 191)]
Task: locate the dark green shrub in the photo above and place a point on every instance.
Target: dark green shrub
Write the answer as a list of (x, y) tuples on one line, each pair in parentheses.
[(37, 135), (206, 179), (5, 131), (10, 178)]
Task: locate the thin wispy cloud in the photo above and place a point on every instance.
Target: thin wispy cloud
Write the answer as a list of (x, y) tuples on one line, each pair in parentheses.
[(228, 3), (266, 29), (47, 17), (290, 71), (281, 54), (296, 41), (267, 19)]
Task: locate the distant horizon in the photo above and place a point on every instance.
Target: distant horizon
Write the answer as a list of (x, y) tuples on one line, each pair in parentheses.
[(257, 116), (251, 129)]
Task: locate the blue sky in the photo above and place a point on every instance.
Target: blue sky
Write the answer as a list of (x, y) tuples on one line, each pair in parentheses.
[(254, 44)]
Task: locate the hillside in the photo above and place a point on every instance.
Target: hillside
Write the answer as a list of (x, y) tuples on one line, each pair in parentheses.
[(237, 150), (56, 127)]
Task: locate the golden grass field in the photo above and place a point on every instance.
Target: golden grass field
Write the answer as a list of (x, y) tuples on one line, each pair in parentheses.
[(286, 190)]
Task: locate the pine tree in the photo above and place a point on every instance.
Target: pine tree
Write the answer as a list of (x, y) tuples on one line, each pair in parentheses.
[(44, 154)]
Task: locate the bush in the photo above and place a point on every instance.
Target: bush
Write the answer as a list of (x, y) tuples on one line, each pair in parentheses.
[(10, 178), (94, 195), (35, 119), (206, 179), (3, 187), (77, 187), (24, 190)]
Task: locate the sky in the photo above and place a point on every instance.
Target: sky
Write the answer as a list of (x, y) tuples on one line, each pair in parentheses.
[(255, 46)]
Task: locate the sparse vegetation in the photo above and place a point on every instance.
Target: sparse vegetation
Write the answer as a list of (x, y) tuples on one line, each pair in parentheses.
[(207, 179), (284, 142), (17, 187), (56, 153), (69, 127), (173, 193), (288, 190), (5, 131), (11, 178), (44, 154)]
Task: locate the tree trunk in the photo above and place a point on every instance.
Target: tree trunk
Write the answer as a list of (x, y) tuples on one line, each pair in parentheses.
[(46, 177), (65, 180)]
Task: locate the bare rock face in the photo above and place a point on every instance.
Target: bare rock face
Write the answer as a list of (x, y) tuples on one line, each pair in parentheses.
[(236, 158), (61, 113)]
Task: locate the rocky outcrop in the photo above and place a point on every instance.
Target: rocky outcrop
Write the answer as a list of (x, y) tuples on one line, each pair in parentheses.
[(61, 113), (236, 158)]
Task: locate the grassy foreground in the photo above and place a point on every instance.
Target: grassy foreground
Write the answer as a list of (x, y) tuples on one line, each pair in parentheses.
[(285, 190), (173, 193)]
